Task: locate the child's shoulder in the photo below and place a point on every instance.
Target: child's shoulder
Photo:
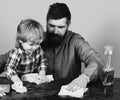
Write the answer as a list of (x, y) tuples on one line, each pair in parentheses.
[(14, 51)]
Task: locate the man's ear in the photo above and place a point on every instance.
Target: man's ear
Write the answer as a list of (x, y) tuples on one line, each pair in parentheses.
[(69, 23)]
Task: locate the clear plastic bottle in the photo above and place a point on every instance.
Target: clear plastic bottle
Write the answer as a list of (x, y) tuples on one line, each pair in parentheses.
[(108, 77)]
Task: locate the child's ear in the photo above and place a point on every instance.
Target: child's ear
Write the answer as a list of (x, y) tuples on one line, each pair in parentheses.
[(41, 40), (20, 41)]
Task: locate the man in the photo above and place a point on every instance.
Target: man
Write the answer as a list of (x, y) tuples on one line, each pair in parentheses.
[(66, 50)]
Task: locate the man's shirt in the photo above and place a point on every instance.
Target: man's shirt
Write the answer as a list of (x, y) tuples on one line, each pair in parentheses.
[(65, 60)]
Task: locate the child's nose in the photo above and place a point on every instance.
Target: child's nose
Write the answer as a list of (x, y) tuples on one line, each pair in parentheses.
[(35, 47)]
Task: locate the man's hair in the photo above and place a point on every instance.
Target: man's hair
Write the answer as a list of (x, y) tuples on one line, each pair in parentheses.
[(29, 30), (58, 11)]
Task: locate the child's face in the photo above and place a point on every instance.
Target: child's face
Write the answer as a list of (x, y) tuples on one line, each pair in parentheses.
[(30, 47)]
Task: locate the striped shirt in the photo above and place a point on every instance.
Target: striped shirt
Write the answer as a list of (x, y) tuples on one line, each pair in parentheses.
[(20, 62)]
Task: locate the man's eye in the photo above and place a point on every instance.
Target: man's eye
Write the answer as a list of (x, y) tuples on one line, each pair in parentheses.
[(61, 27), (51, 26)]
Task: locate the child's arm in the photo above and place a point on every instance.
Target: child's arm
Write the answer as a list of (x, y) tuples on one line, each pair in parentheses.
[(43, 63), (17, 83), (12, 62), (11, 74), (42, 71), (42, 68)]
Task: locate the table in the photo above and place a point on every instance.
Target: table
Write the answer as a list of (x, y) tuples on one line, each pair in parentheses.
[(49, 91)]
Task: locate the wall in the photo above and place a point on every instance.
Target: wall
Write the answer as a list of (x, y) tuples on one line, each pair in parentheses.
[(97, 20)]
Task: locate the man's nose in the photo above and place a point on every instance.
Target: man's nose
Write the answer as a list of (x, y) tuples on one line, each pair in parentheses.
[(56, 30)]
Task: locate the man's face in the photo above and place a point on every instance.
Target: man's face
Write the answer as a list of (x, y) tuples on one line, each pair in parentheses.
[(56, 29), (58, 26)]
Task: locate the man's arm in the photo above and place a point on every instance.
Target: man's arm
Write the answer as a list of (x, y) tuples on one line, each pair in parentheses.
[(92, 60)]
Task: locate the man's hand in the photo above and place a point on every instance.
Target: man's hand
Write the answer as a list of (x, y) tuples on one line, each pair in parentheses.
[(79, 82)]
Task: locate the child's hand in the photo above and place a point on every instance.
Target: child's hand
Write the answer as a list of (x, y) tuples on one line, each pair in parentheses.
[(42, 79), (2, 94), (18, 87), (42, 73)]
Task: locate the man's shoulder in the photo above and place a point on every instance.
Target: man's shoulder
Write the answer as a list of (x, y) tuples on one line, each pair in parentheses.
[(75, 35)]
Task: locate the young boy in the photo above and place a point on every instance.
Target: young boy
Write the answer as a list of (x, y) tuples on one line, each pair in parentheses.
[(27, 56)]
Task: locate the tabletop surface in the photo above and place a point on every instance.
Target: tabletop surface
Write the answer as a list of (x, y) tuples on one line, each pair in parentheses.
[(49, 91)]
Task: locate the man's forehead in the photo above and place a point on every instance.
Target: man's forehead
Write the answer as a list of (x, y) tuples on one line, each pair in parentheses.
[(58, 22)]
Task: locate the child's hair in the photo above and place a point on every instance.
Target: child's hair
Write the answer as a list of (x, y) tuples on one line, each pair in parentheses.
[(29, 30)]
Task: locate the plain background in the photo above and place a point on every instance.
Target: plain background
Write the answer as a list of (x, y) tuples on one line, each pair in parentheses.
[(98, 21)]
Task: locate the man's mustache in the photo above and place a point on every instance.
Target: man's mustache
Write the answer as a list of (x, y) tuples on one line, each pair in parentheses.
[(54, 35)]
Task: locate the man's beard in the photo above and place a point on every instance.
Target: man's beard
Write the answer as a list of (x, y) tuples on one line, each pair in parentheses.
[(55, 39)]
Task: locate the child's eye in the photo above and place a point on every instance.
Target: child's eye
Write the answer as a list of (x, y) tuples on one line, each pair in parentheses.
[(34, 44), (31, 44)]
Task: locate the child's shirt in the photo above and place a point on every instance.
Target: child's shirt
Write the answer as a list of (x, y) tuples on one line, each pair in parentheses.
[(21, 62)]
